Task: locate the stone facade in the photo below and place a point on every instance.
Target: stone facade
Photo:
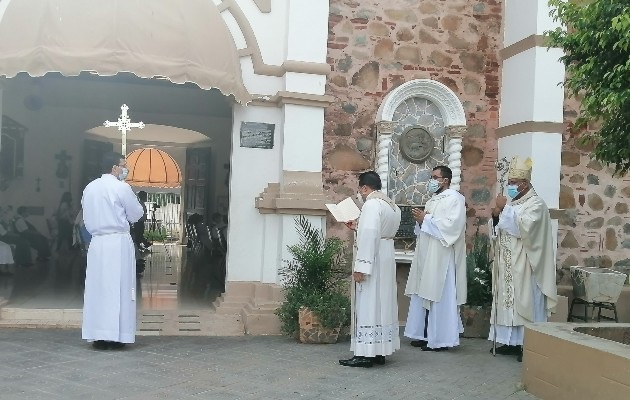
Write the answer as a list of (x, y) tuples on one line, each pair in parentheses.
[(374, 47), (594, 229)]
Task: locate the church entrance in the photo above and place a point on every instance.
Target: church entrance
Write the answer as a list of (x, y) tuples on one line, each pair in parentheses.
[(52, 141)]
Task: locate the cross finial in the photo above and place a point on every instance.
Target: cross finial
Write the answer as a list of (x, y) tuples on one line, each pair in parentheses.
[(124, 124)]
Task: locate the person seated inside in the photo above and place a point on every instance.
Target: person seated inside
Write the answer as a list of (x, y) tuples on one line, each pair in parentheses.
[(22, 253), (35, 239), (6, 259), (137, 228)]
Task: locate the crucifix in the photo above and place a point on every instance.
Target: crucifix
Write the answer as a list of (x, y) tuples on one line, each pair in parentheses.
[(124, 124)]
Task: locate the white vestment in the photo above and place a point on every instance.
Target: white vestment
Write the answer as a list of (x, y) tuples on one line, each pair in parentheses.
[(109, 307), (6, 256), (524, 269), (375, 303), (437, 277)]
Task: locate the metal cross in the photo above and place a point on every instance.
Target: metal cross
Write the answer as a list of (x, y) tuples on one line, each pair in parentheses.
[(124, 124)]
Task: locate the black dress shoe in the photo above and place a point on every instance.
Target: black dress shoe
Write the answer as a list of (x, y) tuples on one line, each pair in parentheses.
[(418, 343), (115, 345), (380, 360), (357, 361), (100, 345), (508, 350), (519, 358), (427, 348)]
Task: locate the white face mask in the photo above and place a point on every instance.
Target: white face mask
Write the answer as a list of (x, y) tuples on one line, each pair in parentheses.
[(123, 174), (433, 186), (360, 199)]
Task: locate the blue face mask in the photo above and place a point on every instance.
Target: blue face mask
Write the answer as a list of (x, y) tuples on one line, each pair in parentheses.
[(123, 174), (512, 191), (433, 186)]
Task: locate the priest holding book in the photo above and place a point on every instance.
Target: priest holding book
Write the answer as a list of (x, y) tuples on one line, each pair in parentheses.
[(375, 307)]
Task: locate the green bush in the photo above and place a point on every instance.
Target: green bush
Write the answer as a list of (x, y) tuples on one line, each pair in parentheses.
[(316, 279), (155, 235), (479, 273)]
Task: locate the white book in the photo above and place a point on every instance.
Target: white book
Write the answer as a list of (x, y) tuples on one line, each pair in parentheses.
[(344, 211)]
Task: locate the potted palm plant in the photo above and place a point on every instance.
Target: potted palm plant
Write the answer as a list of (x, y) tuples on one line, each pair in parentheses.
[(476, 312), (316, 305)]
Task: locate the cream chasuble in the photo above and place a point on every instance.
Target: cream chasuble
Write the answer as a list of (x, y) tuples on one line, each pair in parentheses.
[(525, 267)]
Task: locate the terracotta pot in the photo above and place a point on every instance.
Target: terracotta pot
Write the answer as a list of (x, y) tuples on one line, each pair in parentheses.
[(476, 320), (311, 330)]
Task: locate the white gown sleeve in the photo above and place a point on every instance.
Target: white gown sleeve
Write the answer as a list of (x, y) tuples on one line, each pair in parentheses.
[(133, 208), (508, 221), (429, 227), (368, 236)]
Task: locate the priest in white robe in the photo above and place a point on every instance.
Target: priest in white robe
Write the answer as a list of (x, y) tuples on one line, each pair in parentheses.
[(524, 263), (375, 304), (109, 206), (437, 277)]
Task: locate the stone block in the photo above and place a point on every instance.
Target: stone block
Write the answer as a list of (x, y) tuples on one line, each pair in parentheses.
[(311, 331), (597, 284)]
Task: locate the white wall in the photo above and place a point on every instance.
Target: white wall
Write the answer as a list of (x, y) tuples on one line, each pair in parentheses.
[(524, 18), (252, 170)]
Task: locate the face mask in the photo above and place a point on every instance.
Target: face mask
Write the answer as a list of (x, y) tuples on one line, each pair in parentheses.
[(123, 174), (433, 186), (512, 191), (360, 199)]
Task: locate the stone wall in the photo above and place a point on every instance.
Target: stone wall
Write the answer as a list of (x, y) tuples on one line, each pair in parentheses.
[(594, 230), (374, 46)]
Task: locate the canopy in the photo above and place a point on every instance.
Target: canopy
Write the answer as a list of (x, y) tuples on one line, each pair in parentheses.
[(182, 41), (151, 167), (152, 134)]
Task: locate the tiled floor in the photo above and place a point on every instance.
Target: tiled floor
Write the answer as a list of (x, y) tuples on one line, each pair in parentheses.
[(174, 278), (56, 364)]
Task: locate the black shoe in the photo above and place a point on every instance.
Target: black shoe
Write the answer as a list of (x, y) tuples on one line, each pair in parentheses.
[(100, 345), (380, 360), (418, 343), (507, 350), (427, 348), (519, 358), (357, 361), (115, 345)]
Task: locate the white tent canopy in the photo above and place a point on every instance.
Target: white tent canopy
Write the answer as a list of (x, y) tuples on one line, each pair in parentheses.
[(149, 38)]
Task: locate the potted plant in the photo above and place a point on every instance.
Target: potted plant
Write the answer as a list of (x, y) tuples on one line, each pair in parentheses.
[(316, 305), (476, 312)]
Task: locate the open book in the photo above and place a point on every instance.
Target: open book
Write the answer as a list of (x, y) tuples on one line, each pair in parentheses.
[(344, 211)]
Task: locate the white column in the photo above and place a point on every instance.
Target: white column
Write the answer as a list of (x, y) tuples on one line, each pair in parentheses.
[(531, 113), (384, 130), (454, 136)]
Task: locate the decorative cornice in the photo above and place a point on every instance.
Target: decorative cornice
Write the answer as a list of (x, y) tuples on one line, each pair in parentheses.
[(530, 126), (523, 45), (284, 97), (556, 213), (301, 193), (447, 102)]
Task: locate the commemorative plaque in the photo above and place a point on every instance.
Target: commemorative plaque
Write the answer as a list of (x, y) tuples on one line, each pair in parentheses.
[(257, 135), (416, 144)]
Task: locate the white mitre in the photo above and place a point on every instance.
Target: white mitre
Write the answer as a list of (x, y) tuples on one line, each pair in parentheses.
[(520, 169)]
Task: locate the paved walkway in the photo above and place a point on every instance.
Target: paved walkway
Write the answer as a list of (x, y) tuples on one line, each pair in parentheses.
[(57, 364)]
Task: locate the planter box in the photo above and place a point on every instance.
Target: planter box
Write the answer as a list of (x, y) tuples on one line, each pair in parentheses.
[(476, 320), (597, 284), (311, 331)]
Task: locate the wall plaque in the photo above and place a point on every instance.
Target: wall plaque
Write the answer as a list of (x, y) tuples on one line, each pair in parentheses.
[(257, 135), (416, 144)]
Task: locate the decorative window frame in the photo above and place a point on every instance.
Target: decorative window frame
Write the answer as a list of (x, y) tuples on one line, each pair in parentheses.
[(452, 112)]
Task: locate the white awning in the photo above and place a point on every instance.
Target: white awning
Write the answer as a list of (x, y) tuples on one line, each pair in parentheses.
[(181, 41)]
